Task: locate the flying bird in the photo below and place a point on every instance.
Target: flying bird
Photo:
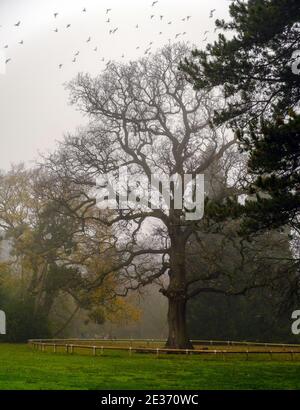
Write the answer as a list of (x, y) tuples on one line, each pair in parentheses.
[(205, 32), (56, 30), (84, 10), (74, 60), (6, 46), (108, 21), (108, 10), (21, 42), (183, 19), (17, 24), (55, 15), (76, 54), (60, 66), (153, 4), (137, 48), (177, 35), (7, 61), (137, 26), (115, 30), (96, 48), (152, 16), (88, 40), (170, 22), (188, 17), (205, 39), (211, 14), (68, 26), (161, 17), (160, 33)]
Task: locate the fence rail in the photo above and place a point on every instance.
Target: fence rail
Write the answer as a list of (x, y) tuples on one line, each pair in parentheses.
[(70, 345), (194, 342)]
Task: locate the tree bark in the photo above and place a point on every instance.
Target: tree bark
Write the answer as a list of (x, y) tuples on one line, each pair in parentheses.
[(177, 293), (178, 335)]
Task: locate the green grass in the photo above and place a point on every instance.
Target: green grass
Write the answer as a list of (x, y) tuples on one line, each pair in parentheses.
[(23, 368)]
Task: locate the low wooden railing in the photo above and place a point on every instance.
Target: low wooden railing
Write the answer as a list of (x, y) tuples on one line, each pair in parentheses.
[(69, 346), (194, 342)]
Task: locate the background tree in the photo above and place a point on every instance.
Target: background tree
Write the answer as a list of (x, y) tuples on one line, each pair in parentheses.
[(251, 317), (239, 276), (254, 67), (47, 256)]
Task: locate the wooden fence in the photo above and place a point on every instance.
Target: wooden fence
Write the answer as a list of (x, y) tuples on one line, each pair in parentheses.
[(69, 346), (149, 341)]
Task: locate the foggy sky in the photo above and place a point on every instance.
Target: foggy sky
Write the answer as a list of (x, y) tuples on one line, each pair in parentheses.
[(34, 109)]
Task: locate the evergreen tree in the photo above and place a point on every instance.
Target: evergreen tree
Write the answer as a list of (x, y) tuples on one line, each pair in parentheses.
[(258, 71)]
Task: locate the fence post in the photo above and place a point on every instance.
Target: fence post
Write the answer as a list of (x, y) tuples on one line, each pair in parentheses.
[(130, 350), (54, 348), (157, 351), (102, 350), (94, 350)]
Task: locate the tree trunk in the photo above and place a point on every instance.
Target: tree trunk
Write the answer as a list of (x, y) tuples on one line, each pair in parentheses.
[(176, 293), (178, 336)]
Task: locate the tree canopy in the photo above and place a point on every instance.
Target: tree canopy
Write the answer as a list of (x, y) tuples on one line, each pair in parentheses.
[(255, 68)]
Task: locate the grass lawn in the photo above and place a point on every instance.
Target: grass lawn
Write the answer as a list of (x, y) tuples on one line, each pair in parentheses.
[(23, 368)]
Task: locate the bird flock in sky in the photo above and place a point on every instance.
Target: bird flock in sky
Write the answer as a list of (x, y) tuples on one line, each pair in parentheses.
[(112, 30)]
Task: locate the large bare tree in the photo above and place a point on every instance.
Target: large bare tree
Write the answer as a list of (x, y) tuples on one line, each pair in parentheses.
[(144, 115)]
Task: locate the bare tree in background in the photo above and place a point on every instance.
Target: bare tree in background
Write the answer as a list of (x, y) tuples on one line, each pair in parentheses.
[(145, 116)]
